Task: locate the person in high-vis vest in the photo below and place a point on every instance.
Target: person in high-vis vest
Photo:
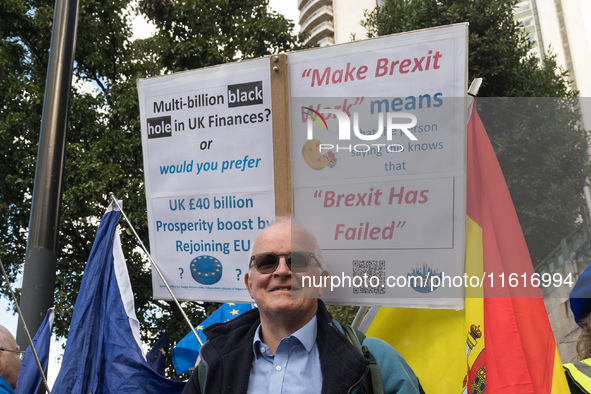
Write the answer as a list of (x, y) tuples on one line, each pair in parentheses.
[(578, 374)]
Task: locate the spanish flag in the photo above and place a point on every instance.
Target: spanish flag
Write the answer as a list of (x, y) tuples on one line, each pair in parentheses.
[(501, 342)]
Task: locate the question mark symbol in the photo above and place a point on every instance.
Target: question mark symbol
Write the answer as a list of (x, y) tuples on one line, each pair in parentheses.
[(239, 273), (268, 111), (182, 272)]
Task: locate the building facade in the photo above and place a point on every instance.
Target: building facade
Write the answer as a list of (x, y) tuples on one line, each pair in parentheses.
[(558, 26), (333, 21)]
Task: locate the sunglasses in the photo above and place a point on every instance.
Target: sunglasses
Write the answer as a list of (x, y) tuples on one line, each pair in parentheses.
[(267, 263), (19, 353)]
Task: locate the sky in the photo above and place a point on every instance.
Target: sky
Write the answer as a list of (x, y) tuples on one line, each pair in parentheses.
[(285, 7)]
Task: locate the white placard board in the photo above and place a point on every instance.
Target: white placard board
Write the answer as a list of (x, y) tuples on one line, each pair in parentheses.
[(382, 204), (208, 162)]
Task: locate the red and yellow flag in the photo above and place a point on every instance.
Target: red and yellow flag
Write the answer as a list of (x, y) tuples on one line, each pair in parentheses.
[(501, 342)]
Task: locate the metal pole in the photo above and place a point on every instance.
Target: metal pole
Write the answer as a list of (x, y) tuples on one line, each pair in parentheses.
[(42, 245), (155, 265), (361, 312)]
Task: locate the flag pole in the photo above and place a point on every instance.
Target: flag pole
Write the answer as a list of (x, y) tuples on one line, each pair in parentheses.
[(361, 312), (155, 265), (25, 328), (473, 89)]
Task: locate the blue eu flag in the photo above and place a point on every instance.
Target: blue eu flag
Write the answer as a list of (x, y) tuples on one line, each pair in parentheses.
[(29, 377), (157, 356), (184, 355), (103, 353)]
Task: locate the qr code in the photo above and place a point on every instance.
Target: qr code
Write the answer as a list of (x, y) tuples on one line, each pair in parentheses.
[(372, 274)]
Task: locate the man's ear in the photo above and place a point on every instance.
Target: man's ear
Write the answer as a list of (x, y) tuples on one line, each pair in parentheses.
[(323, 274), (248, 283)]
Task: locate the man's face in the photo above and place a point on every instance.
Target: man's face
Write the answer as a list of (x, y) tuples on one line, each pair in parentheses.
[(273, 292), (10, 363)]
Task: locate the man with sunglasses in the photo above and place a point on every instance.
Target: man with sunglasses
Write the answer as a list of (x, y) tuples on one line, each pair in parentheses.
[(10, 362), (290, 343)]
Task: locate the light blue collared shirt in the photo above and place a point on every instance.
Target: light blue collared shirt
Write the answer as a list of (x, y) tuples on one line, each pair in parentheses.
[(295, 367)]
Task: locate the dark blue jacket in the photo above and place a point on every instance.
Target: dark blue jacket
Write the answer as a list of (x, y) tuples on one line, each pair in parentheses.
[(228, 356)]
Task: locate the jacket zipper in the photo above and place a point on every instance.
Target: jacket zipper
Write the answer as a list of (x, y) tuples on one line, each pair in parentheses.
[(362, 376), (356, 384)]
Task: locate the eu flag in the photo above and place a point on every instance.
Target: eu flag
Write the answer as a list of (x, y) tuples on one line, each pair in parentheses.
[(157, 356), (184, 355), (103, 353), (29, 377)]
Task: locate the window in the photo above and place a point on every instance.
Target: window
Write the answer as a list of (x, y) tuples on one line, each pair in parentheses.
[(526, 22), (522, 6)]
